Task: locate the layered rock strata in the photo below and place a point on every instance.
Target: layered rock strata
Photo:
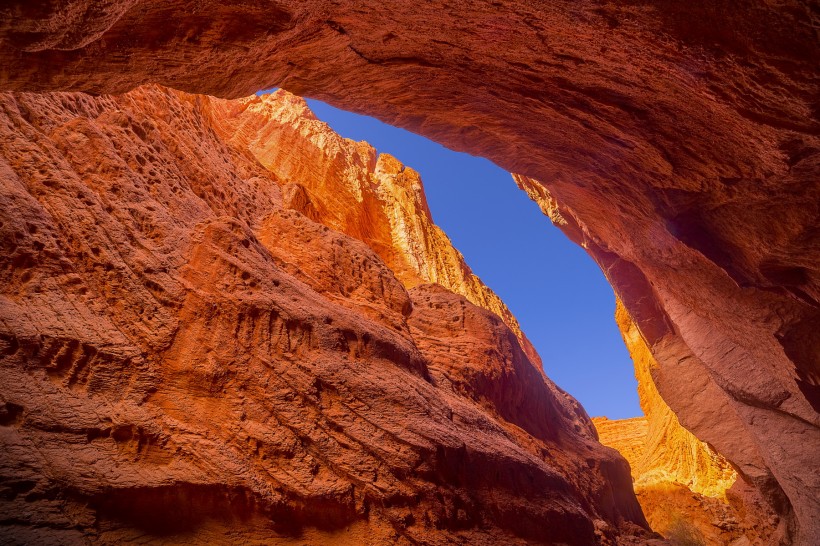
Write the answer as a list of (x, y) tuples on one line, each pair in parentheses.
[(678, 141), (185, 358)]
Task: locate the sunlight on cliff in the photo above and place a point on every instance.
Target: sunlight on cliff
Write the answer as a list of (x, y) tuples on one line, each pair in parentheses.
[(552, 287), (680, 481), (688, 492)]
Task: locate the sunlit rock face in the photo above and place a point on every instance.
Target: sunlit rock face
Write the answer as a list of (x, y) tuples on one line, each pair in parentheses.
[(670, 452), (350, 187), (683, 485), (677, 140), (185, 358)]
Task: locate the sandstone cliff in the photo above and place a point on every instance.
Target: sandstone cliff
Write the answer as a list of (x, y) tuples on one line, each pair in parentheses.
[(348, 186), (670, 453), (683, 485), (185, 358), (678, 140)]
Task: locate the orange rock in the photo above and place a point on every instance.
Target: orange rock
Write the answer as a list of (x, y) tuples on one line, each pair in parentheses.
[(184, 359), (671, 453), (678, 140), (683, 485), (350, 187)]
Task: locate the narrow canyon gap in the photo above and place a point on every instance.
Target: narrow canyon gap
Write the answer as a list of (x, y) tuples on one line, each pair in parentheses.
[(563, 302), (678, 144), (686, 490)]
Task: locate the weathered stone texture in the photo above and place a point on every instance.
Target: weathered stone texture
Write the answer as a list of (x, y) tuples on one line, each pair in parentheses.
[(677, 140), (185, 359)]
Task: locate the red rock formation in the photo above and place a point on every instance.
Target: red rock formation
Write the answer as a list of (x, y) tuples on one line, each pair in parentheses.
[(679, 142), (184, 359), (684, 487), (670, 452), (346, 185)]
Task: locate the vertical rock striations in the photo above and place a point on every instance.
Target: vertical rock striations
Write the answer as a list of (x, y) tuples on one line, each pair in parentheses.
[(185, 358), (681, 483), (670, 452)]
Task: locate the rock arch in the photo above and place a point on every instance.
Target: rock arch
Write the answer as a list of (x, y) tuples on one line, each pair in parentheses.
[(678, 144)]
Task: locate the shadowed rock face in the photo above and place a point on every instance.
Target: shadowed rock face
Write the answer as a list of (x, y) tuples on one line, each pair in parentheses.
[(678, 142), (684, 487), (186, 359)]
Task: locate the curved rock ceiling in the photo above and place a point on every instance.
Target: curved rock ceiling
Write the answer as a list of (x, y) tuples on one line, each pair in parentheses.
[(677, 142)]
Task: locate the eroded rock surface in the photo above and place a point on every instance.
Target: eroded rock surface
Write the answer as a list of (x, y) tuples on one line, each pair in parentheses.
[(670, 453), (350, 187), (685, 488), (678, 141), (187, 359)]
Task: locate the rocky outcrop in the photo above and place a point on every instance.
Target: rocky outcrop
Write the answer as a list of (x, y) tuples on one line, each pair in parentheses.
[(350, 187), (184, 358), (685, 488), (628, 436), (679, 142), (670, 452)]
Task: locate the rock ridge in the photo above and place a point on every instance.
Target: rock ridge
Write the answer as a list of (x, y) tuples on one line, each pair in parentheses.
[(374, 197), (685, 488)]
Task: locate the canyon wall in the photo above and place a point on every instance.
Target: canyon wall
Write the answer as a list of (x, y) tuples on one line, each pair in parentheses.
[(677, 142), (684, 487), (349, 187), (187, 359), (670, 453)]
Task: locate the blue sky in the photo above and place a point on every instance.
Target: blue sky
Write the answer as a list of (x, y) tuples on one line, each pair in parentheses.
[(559, 295)]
